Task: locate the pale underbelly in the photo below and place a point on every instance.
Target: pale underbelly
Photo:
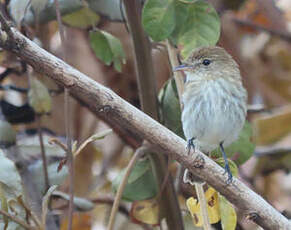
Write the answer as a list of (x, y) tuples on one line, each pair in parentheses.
[(212, 121)]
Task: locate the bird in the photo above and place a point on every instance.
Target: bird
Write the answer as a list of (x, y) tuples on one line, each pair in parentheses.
[(214, 101)]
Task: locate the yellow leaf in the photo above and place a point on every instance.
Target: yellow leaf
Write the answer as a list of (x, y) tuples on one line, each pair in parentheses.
[(146, 211), (212, 207), (227, 213)]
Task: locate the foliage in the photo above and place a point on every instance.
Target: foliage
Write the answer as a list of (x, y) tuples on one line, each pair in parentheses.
[(82, 18), (186, 25), (10, 193), (170, 111), (107, 48), (190, 25), (193, 206), (140, 184), (38, 97)]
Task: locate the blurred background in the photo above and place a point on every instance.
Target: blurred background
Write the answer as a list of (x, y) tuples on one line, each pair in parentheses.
[(257, 33)]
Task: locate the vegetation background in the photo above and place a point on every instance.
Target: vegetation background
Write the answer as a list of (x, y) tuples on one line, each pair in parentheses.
[(98, 42)]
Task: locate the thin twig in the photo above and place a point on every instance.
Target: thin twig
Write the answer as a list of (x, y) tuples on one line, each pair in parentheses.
[(274, 150), (40, 136), (139, 152), (34, 218), (178, 76), (43, 155), (92, 138), (16, 220), (59, 143), (67, 116), (146, 82), (203, 206)]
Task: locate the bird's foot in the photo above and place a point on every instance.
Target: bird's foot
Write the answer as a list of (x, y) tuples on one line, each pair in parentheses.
[(190, 144), (226, 165), (227, 170)]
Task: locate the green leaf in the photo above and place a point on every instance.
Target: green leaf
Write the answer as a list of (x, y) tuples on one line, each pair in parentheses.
[(158, 18), (227, 213), (11, 190), (170, 108), (101, 47), (117, 50), (242, 149), (82, 18), (187, 23), (181, 14), (107, 48), (140, 185), (201, 28), (38, 97)]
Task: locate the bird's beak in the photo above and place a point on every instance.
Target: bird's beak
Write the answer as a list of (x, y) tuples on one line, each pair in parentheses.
[(182, 67)]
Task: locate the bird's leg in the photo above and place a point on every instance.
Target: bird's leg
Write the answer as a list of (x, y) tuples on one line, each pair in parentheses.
[(226, 165), (188, 177), (190, 145)]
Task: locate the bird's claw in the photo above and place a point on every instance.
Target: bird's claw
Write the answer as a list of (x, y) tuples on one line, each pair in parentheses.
[(227, 170), (190, 144), (226, 165)]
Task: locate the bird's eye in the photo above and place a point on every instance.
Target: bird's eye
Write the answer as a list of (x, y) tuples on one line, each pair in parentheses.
[(206, 62)]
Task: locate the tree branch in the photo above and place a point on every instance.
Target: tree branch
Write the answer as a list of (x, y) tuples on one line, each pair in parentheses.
[(114, 110)]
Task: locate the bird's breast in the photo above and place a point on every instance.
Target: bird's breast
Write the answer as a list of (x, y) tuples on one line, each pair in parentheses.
[(214, 111)]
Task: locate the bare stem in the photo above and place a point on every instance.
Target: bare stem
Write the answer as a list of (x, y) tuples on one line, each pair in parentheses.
[(70, 157), (148, 96), (178, 76), (121, 187), (203, 206), (34, 218), (43, 155), (16, 220)]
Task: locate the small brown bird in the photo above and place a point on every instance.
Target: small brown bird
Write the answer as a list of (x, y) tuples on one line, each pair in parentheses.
[(214, 100)]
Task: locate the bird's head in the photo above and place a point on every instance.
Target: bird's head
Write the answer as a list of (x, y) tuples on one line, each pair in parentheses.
[(208, 63)]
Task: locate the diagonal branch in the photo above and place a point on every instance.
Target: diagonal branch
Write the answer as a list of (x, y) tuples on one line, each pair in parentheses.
[(114, 110)]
